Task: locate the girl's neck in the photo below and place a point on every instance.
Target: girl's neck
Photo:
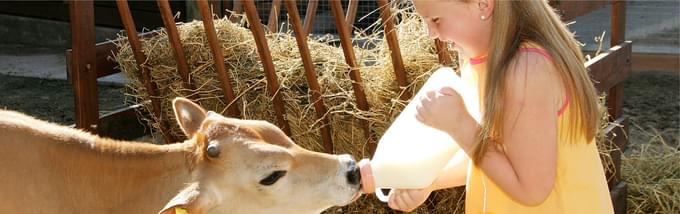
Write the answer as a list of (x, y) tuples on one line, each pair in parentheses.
[(478, 64)]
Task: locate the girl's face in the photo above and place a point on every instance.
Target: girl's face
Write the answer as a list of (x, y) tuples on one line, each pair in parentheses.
[(458, 23)]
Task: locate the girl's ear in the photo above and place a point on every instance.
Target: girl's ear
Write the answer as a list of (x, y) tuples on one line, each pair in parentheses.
[(485, 8)]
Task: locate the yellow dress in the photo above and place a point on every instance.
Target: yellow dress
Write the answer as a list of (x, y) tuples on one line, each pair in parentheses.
[(580, 183)]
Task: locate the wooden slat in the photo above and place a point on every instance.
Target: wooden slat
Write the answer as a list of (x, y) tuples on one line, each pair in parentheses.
[(354, 74), (104, 51), (106, 12), (443, 52), (656, 62), (140, 58), (273, 23), (267, 63), (610, 68), (309, 16), (618, 196), (123, 124), (351, 15), (310, 74), (178, 52), (83, 65), (616, 132), (218, 58), (395, 51)]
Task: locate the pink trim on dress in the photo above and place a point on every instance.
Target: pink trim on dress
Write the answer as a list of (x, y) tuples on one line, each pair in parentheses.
[(564, 105), (477, 60), (538, 51)]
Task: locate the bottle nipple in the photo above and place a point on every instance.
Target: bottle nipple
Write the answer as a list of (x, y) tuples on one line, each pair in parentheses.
[(367, 182)]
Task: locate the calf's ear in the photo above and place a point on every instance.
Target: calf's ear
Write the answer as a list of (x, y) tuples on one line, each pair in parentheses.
[(188, 201), (189, 115)]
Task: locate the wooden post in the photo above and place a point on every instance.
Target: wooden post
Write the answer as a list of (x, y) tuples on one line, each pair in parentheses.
[(615, 108), (273, 23), (314, 88), (309, 15), (351, 15), (178, 52), (354, 74), (83, 65), (395, 51), (218, 58), (145, 74), (267, 64)]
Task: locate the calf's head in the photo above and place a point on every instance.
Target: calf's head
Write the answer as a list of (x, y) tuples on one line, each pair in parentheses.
[(250, 166)]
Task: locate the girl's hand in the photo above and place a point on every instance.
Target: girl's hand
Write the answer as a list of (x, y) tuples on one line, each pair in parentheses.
[(442, 108), (407, 200)]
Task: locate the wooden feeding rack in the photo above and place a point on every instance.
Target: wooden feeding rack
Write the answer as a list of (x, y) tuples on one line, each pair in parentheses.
[(87, 61)]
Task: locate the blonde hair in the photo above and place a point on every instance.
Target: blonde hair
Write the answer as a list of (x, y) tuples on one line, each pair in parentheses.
[(518, 21)]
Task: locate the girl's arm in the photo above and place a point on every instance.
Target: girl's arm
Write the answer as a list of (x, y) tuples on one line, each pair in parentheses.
[(454, 173), (526, 170)]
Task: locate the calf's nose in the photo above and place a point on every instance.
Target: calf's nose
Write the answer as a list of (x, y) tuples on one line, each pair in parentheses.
[(353, 175)]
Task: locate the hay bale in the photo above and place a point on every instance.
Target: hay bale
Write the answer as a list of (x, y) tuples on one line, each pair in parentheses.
[(652, 172), (248, 79)]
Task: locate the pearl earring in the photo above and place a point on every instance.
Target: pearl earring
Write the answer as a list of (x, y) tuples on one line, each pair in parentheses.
[(483, 17)]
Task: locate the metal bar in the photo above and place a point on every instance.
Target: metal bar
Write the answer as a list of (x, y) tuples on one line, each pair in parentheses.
[(310, 74), (140, 58), (393, 44), (351, 13), (442, 52), (273, 22), (216, 49), (309, 15), (267, 63), (354, 74), (83, 65), (178, 53)]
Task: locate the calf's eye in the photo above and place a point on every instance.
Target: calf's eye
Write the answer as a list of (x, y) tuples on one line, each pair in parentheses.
[(272, 178)]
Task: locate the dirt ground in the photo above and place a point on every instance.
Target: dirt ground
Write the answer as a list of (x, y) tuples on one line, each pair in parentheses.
[(652, 101), (50, 99)]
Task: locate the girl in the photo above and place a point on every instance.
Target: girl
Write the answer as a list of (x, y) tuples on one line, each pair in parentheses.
[(527, 122)]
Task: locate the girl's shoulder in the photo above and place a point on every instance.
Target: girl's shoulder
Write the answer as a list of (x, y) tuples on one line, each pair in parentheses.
[(531, 71), (535, 48), (531, 57)]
